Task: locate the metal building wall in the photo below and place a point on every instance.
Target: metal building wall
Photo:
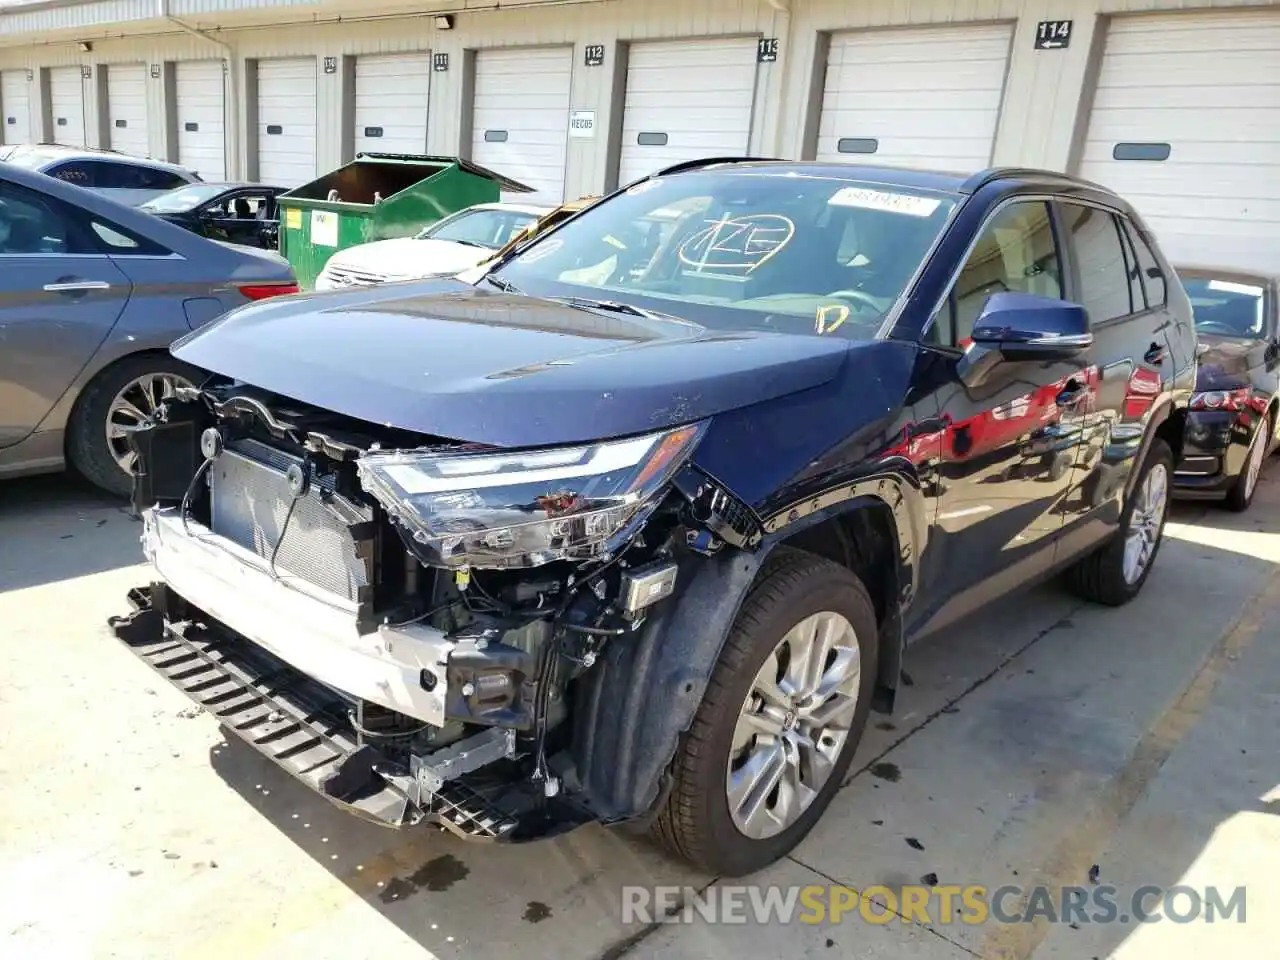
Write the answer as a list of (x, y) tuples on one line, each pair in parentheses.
[(1045, 99)]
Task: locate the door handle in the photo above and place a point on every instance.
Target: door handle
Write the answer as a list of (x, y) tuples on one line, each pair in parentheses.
[(76, 286), (1154, 355)]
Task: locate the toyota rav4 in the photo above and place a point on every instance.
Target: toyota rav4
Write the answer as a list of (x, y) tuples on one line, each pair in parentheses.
[(634, 523)]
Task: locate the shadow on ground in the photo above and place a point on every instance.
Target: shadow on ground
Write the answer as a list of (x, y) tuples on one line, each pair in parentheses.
[(59, 527)]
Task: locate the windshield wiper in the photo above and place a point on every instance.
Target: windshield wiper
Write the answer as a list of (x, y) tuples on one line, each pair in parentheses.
[(465, 243), (506, 286), (610, 306)]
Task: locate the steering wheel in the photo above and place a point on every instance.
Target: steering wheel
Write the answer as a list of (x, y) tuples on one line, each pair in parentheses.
[(859, 296)]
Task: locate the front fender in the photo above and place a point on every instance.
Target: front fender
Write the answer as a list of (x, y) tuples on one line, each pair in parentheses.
[(632, 709), (643, 694)]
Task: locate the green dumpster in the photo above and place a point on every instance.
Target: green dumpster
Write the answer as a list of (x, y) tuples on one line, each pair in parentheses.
[(378, 196)]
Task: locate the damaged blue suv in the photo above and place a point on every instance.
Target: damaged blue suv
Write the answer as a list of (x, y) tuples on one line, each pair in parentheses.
[(635, 523)]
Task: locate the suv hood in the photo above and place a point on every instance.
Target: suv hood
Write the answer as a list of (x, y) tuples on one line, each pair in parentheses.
[(443, 358)]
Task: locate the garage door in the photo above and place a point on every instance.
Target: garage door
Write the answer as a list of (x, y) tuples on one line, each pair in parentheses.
[(391, 103), (287, 121), (66, 105), (15, 106), (1186, 125), (127, 107), (684, 101), (520, 124), (201, 125), (927, 97)]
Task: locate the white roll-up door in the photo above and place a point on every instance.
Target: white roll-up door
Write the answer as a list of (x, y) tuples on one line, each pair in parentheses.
[(66, 105), (686, 100), (287, 121), (1186, 126), (520, 120), (15, 107), (127, 107), (201, 115), (391, 103), (925, 97)]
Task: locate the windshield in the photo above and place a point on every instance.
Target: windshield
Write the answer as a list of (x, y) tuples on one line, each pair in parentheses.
[(744, 250), (28, 158), (1226, 308), (182, 199), (480, 228)]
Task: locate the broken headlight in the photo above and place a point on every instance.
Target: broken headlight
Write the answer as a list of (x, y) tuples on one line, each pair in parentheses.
[(527, 507)]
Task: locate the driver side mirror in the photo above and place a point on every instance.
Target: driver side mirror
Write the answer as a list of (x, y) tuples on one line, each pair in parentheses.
[(1025, 328)]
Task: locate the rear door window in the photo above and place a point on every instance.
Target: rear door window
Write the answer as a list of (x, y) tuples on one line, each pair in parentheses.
[(1153, 279), (1101, 262), (83, 173), (29, 224)]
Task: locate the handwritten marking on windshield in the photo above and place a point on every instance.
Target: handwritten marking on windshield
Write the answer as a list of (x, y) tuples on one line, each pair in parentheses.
[(737, 243), (840, 313)]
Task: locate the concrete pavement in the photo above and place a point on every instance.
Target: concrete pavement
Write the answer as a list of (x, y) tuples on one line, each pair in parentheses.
[(1036, 742)]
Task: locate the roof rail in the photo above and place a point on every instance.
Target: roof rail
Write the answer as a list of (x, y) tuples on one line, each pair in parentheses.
[(979, 180), (710, 162)]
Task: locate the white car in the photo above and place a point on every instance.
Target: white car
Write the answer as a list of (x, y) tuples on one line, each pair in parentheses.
[(449, 246), (131, 180)]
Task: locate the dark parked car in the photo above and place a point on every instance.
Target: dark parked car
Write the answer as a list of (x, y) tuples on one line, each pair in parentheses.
[(235, 212), (1232, 424), (131, 180), (92, 292), (636, 527)]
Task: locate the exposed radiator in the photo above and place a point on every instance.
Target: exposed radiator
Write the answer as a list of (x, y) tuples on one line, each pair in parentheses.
[(250, 499)]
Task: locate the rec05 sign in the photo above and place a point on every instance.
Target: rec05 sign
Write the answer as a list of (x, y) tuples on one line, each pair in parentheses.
[(582, 124)]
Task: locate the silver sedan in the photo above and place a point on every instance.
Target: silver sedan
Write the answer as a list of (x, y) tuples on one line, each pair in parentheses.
[(92, 292)]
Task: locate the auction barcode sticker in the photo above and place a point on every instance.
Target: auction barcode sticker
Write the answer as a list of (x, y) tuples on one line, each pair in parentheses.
[(868, 199)]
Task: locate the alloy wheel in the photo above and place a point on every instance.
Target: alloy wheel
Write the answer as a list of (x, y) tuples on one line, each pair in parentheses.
[(134, 405), (1146, 521), (793, 724), (1257, 454)]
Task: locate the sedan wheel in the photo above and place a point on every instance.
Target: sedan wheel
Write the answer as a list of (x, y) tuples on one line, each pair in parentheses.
[(121, 397), (1241, 494), (793, 725), (132, 406)]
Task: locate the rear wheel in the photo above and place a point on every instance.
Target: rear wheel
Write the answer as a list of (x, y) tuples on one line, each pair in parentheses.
[(120, 397), (780, 721), (1241, 493), (1115, 572)]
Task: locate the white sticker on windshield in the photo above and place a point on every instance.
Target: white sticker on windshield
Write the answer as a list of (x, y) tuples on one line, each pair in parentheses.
[(1227, 286), (868, 199)]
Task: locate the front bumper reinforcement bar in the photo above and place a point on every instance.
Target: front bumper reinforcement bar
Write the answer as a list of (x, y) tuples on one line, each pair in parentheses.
[(297, 723)]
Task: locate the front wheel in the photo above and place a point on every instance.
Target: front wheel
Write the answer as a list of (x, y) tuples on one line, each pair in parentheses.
[(1115, 572), (783, 713)]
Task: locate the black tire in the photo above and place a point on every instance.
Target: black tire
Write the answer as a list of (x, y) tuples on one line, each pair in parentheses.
[(1099, 576), (87, 447), (694, 823), (1240, 496)]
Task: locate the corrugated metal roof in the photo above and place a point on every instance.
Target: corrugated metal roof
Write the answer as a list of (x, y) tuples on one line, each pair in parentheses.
[(36, 16)]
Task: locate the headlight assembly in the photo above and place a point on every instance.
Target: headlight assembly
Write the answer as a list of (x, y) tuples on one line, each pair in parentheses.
[(528, 507)]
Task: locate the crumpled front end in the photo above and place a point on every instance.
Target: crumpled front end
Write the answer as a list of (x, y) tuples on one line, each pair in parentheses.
[(397, 620)]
